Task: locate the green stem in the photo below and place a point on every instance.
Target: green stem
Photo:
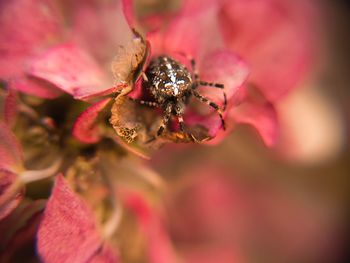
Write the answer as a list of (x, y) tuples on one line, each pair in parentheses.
[(35, 175)]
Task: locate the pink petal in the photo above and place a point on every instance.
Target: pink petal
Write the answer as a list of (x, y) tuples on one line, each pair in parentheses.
[(207, 207), (277, 43), (99, 26), (211, 122), (262, 116), (156, 40), (226, 68), (194, 41), (10, 108), (8, 202), (72, 70), (10, 150), (159, 245), (105, 255), (212, 254), (68, 231), (128, 10), (18, 230), (25, 27), (36, 87), (85, 128)]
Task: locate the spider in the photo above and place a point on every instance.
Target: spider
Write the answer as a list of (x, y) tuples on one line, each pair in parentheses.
[(171, 84)]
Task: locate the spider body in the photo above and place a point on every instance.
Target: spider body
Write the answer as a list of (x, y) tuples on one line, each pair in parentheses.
[(167, 79), (171, 84)]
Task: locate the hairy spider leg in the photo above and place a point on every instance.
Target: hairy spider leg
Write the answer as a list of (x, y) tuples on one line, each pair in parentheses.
[(193, 65), (215, 85), (166, 118), (147, 103), (210, 84), (182, 126), (196, 75), (181, 123), (211, 104), (194, 69), (225, 102), (198, 82)]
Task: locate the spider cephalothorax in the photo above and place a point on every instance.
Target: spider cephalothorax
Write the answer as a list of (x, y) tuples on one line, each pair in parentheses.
[(171, 84)]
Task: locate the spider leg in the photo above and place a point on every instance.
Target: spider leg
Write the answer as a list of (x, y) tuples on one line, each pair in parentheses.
[(143, 74), (181, 123), (194, 68), (211, 104), (147, 103), (166, 118), (225, 102), (182, 128), (210, 84), (193, 65)]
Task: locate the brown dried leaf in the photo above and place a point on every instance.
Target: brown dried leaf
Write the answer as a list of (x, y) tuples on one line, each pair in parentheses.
[(137, 123), (85, 177), (131, 120), (129, 60), (196, 134)]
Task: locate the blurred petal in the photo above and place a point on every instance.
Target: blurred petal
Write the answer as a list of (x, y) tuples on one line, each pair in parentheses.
[(18, 231), (68, 231), (261, 116), (10, 150), (25, 27), (194, 41), (206, 207), (8, 202), (99, 26), (159, 245), (105, 255), (156, 40), (10, 108), (72, 70), (277, 43), (129, 60), (210, 125), (128, 10), (85, 128), (224, 67), (36, 87), (212, 254), (312, 126)]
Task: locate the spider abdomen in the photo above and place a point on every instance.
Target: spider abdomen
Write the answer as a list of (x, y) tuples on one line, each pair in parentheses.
[(167, 79)]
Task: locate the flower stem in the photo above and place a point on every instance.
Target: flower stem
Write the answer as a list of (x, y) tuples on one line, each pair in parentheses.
[(35, 175), (126, 146), (10, 192), (113, 222)]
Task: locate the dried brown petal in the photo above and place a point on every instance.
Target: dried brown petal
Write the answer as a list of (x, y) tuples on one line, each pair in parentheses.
[(138, 123), (86, 178), (132, 120), (129, 60)]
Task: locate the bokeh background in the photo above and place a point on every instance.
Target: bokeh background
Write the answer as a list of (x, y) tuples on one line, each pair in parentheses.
[(285, 204), (240, 201)]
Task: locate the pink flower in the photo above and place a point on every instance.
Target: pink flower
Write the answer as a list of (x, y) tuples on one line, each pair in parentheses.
[(215, 215), (68, 231), (13, 175), (18, 230), (276, 46), (221, 32), (48, 51)]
